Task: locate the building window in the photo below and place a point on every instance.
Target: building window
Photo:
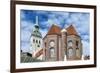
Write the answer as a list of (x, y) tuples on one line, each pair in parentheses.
[(52, 43), (70, 43), (77, 52), (39, 42), (45, 44), (52, 52), (36, 41), (33, 40), (77, 48), (38, 46), (77, 43), (21, 51), (70, 52)]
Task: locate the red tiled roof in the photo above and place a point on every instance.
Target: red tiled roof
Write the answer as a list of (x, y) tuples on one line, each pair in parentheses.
[(57, 30), (54, 30), (71, 30)]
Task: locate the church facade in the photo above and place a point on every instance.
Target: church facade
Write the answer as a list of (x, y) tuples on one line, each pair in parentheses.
[(57, 45), (62, 44)]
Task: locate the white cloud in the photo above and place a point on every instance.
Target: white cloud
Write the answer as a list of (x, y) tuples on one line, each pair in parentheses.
[(86, 47), (85, 38), (61, 14), (25, 47), (43, 32), (26, 25), (22, 15), (25, 35), (26, 29)]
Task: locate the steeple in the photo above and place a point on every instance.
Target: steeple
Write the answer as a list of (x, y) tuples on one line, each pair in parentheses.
[(36, 19), (36, 23), (36, 31)]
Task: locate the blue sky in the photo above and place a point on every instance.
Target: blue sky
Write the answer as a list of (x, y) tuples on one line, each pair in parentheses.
[(81, 21)]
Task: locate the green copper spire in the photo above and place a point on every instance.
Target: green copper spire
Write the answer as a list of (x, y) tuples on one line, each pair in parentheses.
[(36, 31)]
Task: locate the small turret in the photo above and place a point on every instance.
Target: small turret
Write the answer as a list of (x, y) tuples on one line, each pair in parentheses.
[(63, 30), (64, 42)]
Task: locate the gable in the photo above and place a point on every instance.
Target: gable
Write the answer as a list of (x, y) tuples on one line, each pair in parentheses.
[(54, 30), (71, 30)]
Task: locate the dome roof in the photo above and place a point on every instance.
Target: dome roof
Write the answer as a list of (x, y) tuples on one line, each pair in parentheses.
[(36, 31)]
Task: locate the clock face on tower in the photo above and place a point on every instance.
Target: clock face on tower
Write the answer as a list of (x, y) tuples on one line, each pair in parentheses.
[(52, 43)]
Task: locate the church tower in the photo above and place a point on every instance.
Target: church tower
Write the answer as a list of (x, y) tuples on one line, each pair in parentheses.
[(35, 39)]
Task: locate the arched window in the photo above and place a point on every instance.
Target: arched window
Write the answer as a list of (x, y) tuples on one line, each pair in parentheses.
[(70, 52), (45, 44), (77, 43), (70, 43), (52, 52), (77, 52), (39, 42), (36, 41), (38, 45), (33, 40), (52, 43)]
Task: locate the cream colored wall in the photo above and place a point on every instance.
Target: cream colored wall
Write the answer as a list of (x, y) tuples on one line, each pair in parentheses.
[(34, 46)]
